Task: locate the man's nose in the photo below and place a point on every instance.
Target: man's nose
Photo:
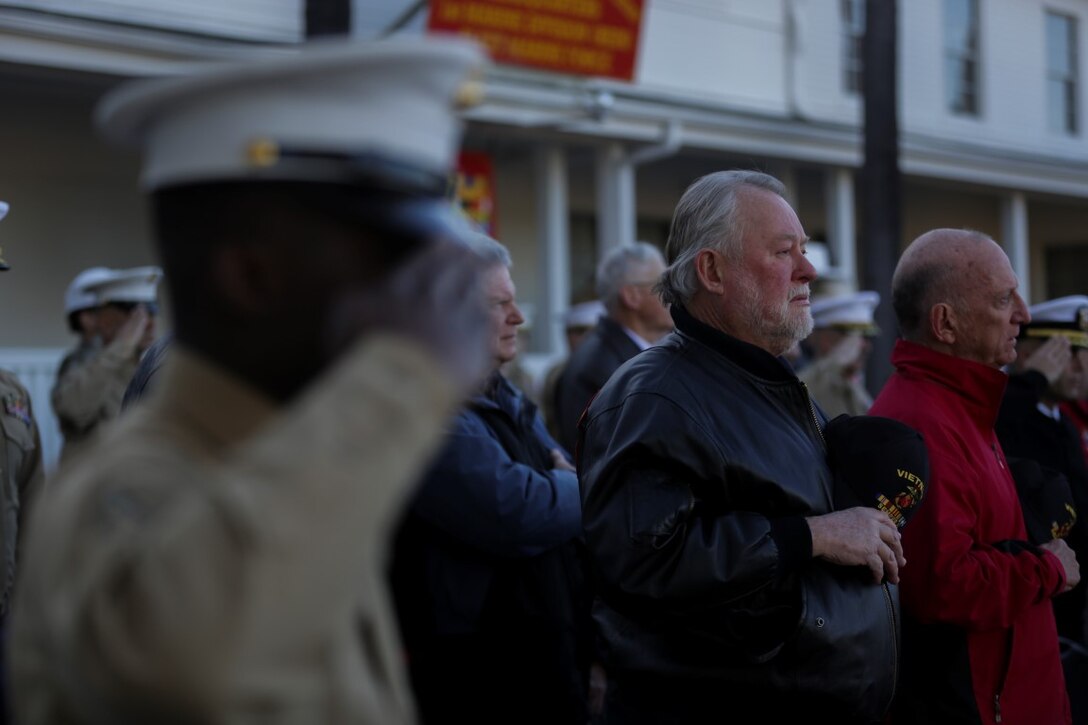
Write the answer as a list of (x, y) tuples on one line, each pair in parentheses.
[(805, 271), (1022, 316), (516, 318)]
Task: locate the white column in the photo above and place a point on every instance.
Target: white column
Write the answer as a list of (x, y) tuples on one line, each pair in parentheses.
[(841, 232), (553, 295), (615, 198), (1014, 233), (625, 203)]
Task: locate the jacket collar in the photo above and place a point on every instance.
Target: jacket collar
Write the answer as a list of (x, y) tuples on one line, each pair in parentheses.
[(494, 388), (616, 335), (754, 360), (981, 387)]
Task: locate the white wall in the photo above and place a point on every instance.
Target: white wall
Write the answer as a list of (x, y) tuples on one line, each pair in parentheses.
[(1013, 108), (718, 50), (260, 20), (74, 204)]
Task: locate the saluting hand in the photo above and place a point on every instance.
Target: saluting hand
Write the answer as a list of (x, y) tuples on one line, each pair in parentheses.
[(859, 537), (136, 333), (434, 297), (1051, 358)]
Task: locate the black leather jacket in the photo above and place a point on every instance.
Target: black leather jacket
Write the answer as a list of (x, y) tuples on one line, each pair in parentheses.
[(700, 459)]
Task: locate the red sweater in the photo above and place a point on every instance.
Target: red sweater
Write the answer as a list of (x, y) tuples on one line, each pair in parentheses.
[(968, 578)]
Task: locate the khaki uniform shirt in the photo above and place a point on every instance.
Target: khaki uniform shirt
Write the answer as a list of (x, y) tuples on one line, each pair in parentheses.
[(835, 394), (21, 472), (90, 385), (221, 559)]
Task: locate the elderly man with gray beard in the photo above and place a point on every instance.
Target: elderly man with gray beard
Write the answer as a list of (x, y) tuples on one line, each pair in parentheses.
[(727, 586)]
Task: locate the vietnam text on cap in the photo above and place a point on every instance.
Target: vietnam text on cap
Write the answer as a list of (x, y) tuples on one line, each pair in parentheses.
[(852, 311), (1064, 316)]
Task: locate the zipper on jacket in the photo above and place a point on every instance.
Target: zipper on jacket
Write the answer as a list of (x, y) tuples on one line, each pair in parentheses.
[(812, 411), (1004, 676)]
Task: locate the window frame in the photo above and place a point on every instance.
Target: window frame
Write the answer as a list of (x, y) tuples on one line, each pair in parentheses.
[(964, 62), (852, 17), (1069, 80)]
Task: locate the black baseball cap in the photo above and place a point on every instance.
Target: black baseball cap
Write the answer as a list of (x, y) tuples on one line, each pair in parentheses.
[(877, 462)]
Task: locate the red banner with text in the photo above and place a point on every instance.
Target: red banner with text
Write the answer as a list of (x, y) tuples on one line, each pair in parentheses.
[(582, 37)]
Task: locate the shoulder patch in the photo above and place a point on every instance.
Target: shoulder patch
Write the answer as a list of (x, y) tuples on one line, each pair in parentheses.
[(18, 407)]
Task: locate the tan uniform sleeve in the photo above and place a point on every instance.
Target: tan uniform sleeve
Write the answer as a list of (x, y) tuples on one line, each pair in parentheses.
[(91, 391), (30, 477), (252, 589), (23, 478)]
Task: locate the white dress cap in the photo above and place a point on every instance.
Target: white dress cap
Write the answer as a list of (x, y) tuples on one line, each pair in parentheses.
[(138, 284), (314, 115), (1064, 316), (584, 314), (78, 296), (1062, 309), (852, 311)]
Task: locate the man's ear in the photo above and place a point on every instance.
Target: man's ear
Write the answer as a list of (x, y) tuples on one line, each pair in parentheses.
[(710, 269), (943, 324), (249, 277), (629, 296)]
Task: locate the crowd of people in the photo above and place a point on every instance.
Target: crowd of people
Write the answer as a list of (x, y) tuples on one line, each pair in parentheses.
[(320, 500)]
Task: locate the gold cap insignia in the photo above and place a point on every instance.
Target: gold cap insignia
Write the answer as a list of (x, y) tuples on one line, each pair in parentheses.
[(262, 152), (471, 92)]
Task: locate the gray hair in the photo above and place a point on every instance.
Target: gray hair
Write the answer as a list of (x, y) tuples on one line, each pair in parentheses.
[(708, 216), (489, 250), (619, 267)]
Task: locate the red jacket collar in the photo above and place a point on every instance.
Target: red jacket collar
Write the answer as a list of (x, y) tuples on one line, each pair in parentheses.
[(980, 386)]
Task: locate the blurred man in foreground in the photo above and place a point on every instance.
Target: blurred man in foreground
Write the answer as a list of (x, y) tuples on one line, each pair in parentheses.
[(221, 556)]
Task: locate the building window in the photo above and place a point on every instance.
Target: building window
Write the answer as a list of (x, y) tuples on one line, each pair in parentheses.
[(1061, 72), (961, 56), (853, 32)]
